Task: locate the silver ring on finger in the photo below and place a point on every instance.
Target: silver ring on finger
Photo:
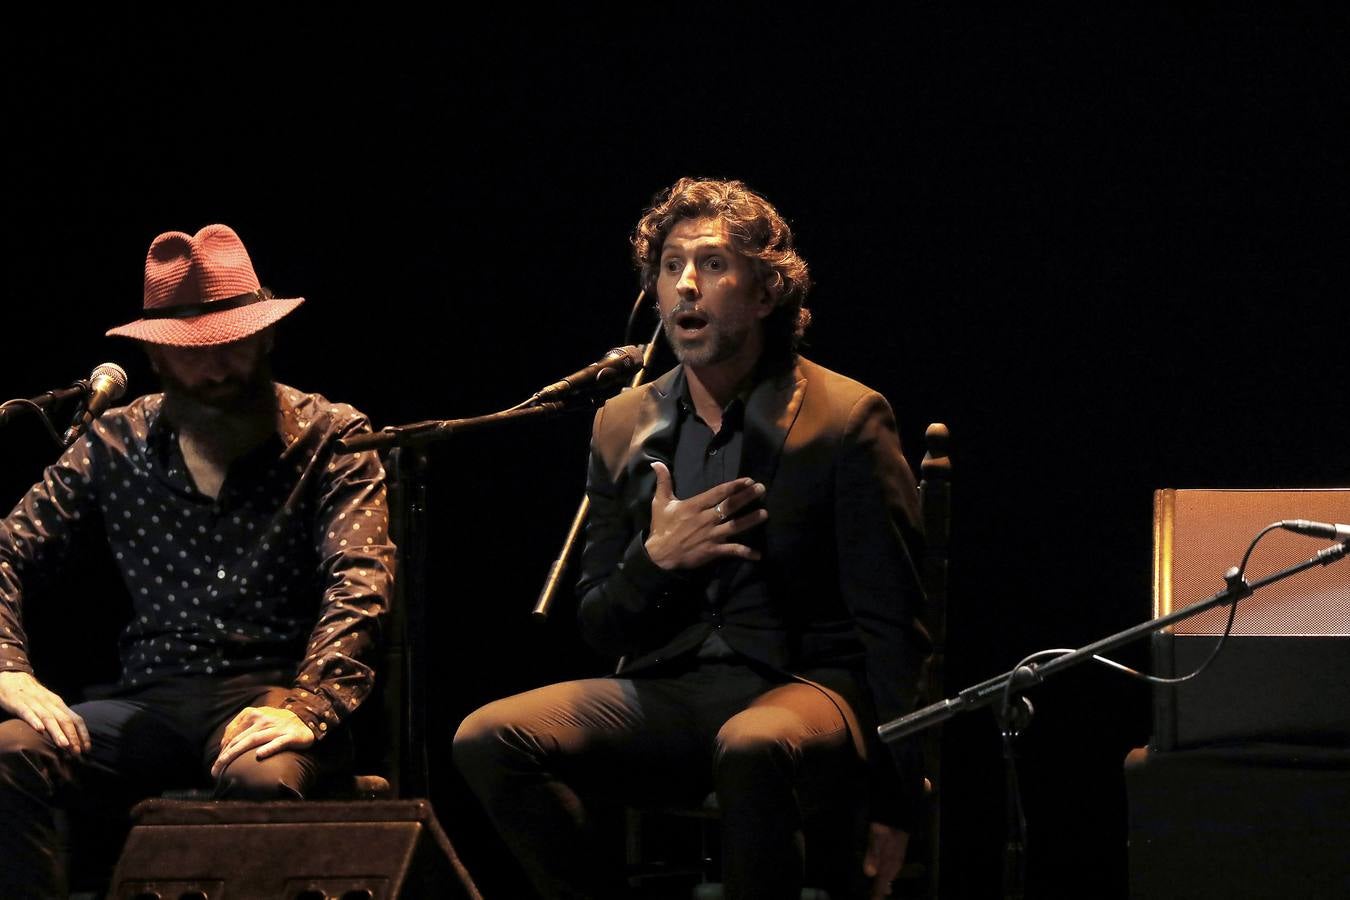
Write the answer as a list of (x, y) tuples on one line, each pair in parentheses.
[(721, 516)]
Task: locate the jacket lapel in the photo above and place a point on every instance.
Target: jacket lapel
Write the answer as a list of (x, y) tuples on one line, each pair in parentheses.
[(770, 412), (653, 440)]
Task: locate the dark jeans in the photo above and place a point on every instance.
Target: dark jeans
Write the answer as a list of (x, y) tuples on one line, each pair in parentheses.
[(158, 737), (775, 752)]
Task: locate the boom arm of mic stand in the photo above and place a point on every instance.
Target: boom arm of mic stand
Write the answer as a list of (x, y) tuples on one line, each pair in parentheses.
[(420, 433), (41, 401), (544, 604), (987, 692)]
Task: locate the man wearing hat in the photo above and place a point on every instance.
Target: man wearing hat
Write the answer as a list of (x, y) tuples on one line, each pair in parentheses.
[(258, 563)]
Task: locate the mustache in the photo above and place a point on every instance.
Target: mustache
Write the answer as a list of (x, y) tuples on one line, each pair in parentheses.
[(682, 309)]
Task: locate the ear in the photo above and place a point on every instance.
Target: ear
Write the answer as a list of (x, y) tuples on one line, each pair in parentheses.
[(767, 302)]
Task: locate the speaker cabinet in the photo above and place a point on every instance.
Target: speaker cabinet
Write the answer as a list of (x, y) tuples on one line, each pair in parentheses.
[(1284, 674), (314, 850)]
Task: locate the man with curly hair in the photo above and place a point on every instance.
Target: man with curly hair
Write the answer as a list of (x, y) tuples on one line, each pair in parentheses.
[(748, 555)]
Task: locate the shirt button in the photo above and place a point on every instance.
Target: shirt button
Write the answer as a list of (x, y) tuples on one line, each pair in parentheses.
[(220, 574)]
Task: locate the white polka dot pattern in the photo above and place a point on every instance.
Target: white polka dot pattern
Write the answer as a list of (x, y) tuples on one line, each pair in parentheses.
[(277, 569)]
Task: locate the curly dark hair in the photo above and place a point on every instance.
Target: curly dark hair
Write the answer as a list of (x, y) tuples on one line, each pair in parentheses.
[(757, 232)]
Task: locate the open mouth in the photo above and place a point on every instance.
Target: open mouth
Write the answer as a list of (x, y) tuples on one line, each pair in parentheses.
[(690, 322)]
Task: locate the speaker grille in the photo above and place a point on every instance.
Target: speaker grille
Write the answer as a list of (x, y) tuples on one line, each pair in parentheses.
[(1200, 534)]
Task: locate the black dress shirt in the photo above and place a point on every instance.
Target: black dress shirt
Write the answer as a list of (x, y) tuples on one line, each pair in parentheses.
[(702, 460)]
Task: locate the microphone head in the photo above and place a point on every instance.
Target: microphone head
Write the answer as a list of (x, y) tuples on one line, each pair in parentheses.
[(114, 378), (618, 361)]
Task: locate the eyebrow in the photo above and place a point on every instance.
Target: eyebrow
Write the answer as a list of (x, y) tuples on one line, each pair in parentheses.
[(720, 246)]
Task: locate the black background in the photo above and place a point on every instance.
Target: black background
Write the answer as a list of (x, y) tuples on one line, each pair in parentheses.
[(1109, 251)]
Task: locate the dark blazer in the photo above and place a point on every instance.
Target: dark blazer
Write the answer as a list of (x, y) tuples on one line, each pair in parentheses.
[(836, 549)]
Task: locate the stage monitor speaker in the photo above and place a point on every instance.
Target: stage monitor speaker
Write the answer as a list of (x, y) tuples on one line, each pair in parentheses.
[(313, 850), (1284, 674)]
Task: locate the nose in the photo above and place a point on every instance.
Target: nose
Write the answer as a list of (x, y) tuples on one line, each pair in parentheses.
[(212, 364), (687, 286)]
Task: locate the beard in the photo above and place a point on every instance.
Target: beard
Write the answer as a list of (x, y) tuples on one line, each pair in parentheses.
[(230, 394), (719, 340), (207, 405)]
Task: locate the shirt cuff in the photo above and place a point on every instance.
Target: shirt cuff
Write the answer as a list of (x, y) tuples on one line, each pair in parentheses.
[(303, 708), (897, 787), (14, 660)]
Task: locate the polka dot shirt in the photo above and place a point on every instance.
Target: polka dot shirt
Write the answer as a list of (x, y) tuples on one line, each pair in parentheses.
[(292, 562)]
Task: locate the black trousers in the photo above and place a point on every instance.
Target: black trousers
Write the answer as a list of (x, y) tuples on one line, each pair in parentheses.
[(162, 736), (775, 751)]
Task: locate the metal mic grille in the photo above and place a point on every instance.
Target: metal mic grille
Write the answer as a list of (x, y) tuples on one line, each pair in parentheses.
[(114, 373), (1199, 534)]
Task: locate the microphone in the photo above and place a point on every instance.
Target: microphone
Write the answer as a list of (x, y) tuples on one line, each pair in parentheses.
[(1330, 530), (106, 385), (611, 365)]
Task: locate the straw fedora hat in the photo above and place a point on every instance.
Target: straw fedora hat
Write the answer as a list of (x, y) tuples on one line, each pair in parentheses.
[(201, 290)]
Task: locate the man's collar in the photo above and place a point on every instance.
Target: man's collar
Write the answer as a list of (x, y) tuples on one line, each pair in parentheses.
[(765, 370), (289, 424), (732, 414)]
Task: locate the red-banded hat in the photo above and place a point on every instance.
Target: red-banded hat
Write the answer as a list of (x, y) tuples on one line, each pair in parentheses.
[(201, 290)]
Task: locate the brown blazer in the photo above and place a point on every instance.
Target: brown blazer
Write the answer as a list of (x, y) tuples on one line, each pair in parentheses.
[(836, 549)]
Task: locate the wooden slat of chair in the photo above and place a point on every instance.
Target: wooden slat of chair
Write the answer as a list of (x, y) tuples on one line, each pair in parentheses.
[(935, 498)]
